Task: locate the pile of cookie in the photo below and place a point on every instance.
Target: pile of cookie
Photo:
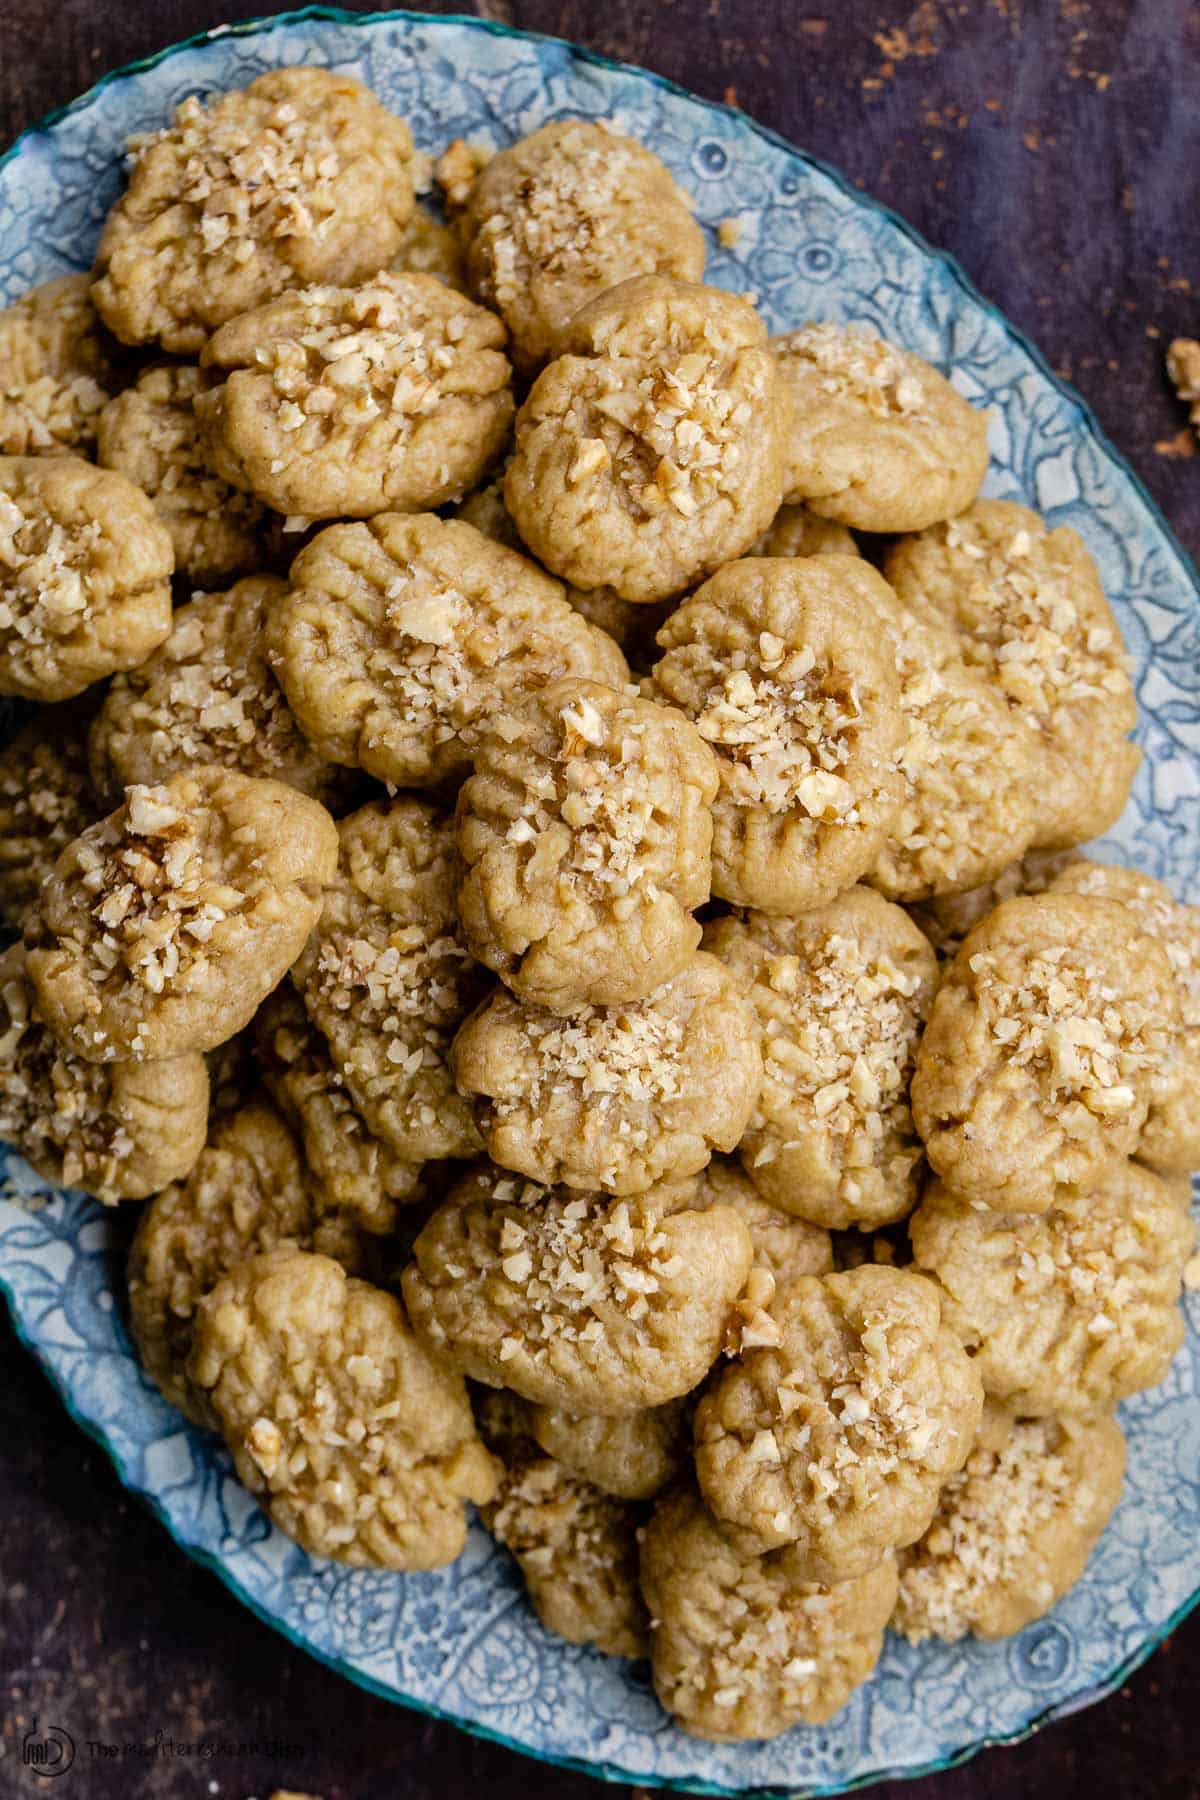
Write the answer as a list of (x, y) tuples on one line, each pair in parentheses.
[(574, 922)]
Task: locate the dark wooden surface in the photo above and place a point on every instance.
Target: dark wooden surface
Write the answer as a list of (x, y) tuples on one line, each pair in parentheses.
[(1054, 147)]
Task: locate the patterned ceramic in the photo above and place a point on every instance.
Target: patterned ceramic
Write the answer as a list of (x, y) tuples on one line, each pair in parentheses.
[(462, 1643)]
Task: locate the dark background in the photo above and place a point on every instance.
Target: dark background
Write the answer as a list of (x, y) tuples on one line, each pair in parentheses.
[(1054, 147)]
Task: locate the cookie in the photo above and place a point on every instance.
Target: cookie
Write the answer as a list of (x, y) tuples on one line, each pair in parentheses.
[(746, 1646), (341, 402), (576, 1548), (300, 177), (947, 918), (164, 926), (1055, 1029), (119, 1131), (207, 695), (387, 979), (576, 1300), (784, 1246), (795, 531), (616, 1098), (1067, 1311), (837, 1439), (57, 369), (1170, 1140), (400, 637), (46, 799), (85, 576), (651, 450), (878, 439), (779, 663), (350, 1170), (428, 247), (841, 994), (633, 1456), (150, 434), (562, 216), (1013, 1530), (247, 1192), (584, 834), (361, 1447), (1031, 616)]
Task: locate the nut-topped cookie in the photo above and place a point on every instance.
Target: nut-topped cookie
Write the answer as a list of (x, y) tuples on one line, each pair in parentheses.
[(778, 662), (46, 799), (361, 1447), (56, 370), (164, 926), (837, 1438), (1055, 1029), (387, 978), (351, 1170), (1031, 616), (1067, 1311), (841, 993), (562, 216), (85, 576), (575, 1545), (585, 834), (150, 434), (337, 402), (1170, 1139), (614, 1098), (120, 1131), (207, 695), (877, 439), (401, 637), (300, 177), (1013, 1530), (574, 1299), (746, 1646), (651, 450), (247, 1192)]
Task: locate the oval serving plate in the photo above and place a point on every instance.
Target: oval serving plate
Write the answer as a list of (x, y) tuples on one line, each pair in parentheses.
[(461, 1643)]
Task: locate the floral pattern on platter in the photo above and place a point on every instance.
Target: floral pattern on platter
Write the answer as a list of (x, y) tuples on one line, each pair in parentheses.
[(461, 1642)]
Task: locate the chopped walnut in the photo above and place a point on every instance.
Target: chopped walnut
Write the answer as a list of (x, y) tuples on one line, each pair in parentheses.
[(56, 370)]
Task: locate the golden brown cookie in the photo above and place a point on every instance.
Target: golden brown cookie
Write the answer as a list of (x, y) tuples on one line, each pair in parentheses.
[(164, 926), (46, 799), (614, 1098), (746, 1646), (795, 531), (400, 638), (150, 434), (778, 661), (584, 834), (1067, 1311), (300, 177), (427, 247), (85, 576), (577, 1300), (361, 1447), (651, 450), (837, 1439), (947, 918), (1031, 616), (247, 1192), (562, 216), (1055, 1029), (633, 1456), (1170, 1140), (341, 402), (119, 1131), (841, 994), (878, 439), (784, 1246), (388, 980), (56, 370), (1013, 1530), (207, 695), (351, 1170)]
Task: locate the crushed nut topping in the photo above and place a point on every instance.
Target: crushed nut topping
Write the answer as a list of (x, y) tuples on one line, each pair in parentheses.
[(852, 362), (680, 431), (45, 592)]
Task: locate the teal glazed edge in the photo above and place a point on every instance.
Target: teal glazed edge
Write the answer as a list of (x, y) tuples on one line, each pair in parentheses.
[(603, 1770)]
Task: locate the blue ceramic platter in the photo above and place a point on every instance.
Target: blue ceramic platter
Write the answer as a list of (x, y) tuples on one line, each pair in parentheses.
[(462, 1643)]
